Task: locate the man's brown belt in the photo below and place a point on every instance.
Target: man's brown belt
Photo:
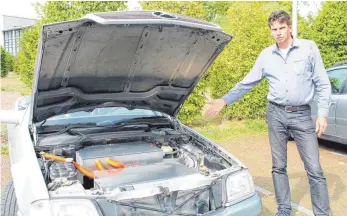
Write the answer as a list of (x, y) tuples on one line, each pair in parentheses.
[(292, 108)]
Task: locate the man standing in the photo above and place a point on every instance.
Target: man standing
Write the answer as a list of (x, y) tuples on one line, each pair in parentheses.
[(294, 69)]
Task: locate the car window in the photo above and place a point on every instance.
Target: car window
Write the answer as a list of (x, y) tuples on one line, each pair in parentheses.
[(345, 88), (337, 78), (108, 111)]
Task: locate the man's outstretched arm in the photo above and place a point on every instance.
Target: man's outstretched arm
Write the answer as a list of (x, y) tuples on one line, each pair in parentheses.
[(241, 88)]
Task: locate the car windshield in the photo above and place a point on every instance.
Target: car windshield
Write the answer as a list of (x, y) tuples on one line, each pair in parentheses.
[(100, 115)]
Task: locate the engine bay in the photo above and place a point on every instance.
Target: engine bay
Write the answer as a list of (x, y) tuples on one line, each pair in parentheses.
[(147, 159), (101, 166), (170, 164)]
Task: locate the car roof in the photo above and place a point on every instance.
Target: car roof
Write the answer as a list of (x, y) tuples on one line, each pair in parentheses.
[(338, 65), (343, 63)]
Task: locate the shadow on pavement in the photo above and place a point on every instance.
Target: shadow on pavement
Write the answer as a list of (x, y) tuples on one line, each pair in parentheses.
[(333, 146)]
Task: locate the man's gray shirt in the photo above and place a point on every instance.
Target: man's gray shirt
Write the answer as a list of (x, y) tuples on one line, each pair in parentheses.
[(293, 79)]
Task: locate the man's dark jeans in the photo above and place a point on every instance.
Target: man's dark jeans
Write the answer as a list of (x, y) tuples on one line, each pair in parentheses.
[(300, 124)]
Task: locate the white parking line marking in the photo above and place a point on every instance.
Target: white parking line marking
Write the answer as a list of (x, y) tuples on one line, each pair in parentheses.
[(262, 190), (302, 209), (294, 205), (339, 154)]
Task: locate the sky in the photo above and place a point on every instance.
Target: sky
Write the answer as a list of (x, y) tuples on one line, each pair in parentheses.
[(22, 8)]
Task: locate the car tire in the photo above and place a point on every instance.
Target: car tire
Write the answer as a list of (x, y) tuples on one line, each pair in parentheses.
[(9, 205)]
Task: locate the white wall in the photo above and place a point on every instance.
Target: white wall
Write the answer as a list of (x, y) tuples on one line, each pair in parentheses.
[(11, 22), (1, 33)]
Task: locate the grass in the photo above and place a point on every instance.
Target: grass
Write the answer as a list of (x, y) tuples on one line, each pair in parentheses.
[(222, 130), (12, 83), (3, 134), (4, 150)]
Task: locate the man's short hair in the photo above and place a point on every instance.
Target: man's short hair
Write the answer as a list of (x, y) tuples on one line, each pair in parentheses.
[(280, 16)]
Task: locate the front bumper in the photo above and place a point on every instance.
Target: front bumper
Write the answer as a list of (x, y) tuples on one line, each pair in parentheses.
[(250, 207)]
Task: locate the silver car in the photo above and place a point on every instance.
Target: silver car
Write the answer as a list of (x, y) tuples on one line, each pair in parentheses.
[(100, 136), (337, 118)]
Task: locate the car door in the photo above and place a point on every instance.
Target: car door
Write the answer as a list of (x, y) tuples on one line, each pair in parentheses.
[(341, 112), (336, 77), (331, 129)]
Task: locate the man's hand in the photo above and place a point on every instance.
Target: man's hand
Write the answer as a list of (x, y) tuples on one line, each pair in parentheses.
[(216, 106), (321, 125)]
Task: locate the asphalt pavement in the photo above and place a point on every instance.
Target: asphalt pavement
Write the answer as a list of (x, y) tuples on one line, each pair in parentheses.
[(255, 153)]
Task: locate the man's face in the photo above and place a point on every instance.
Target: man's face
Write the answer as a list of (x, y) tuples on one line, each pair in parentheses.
[(281, 32)]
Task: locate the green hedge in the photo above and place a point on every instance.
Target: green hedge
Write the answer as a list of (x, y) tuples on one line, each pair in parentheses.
[(6, 62)]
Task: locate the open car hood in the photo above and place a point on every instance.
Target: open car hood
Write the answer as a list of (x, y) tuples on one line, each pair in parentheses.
[(136, 59)]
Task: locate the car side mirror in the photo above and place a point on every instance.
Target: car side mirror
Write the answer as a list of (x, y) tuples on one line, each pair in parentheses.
[(11, 116), (22, 103)]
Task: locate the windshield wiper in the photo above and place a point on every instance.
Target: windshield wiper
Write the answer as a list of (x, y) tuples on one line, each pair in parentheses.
[(109, 123), (149, 117), (104, 124), (168, 212), (87, 126)]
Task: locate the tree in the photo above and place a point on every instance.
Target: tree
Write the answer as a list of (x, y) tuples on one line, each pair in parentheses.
[(65, 10), (216, 9), (192, 9), (329, 31)]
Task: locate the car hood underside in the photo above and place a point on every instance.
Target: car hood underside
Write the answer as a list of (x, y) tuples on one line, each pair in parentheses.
[(114, 59)]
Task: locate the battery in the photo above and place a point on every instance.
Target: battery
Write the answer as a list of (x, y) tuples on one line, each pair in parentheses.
[(131, 154)]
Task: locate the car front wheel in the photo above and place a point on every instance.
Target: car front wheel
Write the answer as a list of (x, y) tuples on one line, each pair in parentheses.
[(9, 201)]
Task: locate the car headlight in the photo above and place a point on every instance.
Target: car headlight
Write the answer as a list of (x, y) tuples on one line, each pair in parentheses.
[(63, 207), (239, 186)]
